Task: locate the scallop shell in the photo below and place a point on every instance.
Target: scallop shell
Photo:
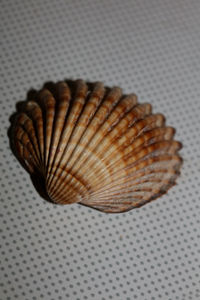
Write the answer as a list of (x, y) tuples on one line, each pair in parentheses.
[(89, 144)]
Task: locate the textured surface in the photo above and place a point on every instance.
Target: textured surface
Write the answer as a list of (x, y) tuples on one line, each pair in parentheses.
[(56, 252), (84, 143)]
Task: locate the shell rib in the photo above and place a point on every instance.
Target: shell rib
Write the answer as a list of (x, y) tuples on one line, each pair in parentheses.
[(89, 144)]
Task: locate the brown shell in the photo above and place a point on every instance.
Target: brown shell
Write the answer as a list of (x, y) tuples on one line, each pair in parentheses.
[(93, 145)]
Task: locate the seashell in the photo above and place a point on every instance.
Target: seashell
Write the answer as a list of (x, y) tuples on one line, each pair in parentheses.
[(89, 144)]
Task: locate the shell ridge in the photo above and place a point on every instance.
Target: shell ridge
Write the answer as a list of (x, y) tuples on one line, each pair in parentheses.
[(21, 122), (147, 186), (73, 116), (112, 141), (47, 101), (137, 199), (134, 180), (22, 137), (131, 149), (92, 151), (147, 152), (99, 145), (106, 153), (60, 187), (151, 164), (90, 108), (131, 103), (97, 122), (20, 155), (70, 190), (61, 111), (20, 147), (34, 112)]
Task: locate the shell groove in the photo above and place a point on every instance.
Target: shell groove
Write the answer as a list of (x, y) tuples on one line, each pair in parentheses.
[(90, 144)]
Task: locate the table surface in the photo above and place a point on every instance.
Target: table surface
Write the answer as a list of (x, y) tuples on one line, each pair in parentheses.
[(151, 48)]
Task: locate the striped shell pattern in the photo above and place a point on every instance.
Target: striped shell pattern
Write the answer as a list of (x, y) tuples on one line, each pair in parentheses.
[(90, 144)]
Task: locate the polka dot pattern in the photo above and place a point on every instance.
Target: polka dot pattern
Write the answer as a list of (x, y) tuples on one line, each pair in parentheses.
[(72, 252)]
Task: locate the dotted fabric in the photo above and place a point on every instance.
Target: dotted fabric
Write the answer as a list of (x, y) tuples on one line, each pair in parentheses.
[(151, 48)]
